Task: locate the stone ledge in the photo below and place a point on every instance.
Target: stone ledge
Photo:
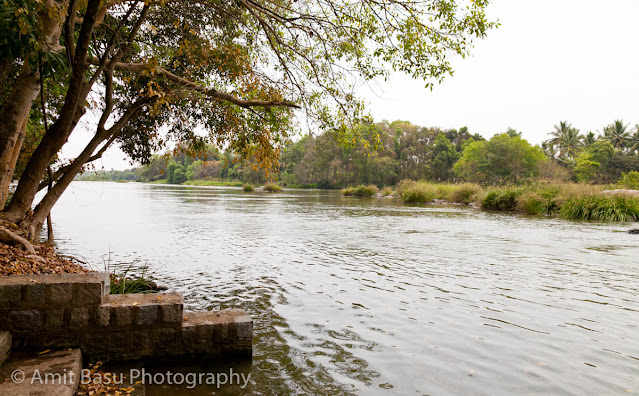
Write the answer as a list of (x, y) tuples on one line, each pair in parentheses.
[(5, 345), (56, 363), (48, 291)]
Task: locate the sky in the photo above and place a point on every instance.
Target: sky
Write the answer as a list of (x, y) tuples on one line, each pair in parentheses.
[(549, 61)]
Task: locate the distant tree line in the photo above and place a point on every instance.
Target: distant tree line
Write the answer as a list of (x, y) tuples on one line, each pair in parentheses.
[(385, 153)]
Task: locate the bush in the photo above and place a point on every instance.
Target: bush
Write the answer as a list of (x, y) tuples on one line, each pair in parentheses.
[(630, 180), (272, 187), (412, 191), (248, 187), (465, 193), (360, 191), (501, 199), (387, 192), (618, 208)]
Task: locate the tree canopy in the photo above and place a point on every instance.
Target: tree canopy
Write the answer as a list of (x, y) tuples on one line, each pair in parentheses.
[(144, 73)]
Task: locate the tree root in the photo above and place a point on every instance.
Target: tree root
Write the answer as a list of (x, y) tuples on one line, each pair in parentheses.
[(10, 237)]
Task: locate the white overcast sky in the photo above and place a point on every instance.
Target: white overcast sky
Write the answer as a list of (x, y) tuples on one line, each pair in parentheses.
[(550, 60)]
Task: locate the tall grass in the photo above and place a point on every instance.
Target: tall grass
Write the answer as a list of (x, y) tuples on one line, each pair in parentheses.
[(272, 187), (360, 191), (127, 278), (421, 192), (604, 208), (248, 187)]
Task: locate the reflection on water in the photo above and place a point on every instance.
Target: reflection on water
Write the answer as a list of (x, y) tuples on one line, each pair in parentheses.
[(367, 296)]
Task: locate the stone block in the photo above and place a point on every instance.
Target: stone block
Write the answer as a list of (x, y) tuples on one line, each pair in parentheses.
[(147, 314), (119, 341), (172, 313), (36, 294), (164, 339), (87, 293), (60, 294), (54, 319), (26, 320), (9, 295), (243, 328), (95, 343), (79, 318), (140, 341), (123, 316), (103, 316), (70, 339)]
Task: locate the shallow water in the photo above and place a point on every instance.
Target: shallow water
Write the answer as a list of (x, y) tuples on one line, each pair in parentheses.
[(368, 296)]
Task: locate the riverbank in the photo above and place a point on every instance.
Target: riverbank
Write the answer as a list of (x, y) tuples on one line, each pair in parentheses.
[(16, 261), (567, 200)]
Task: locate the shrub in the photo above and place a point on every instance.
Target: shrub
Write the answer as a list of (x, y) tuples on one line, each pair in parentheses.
[(465, 193), (501, 199), (630, 180), (618, 208), (360, 191), (248, 187), (272, 187), (387, 191), (412, 191)]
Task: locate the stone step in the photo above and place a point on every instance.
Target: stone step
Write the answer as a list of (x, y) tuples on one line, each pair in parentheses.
[(5, 346), (50, 374), (214, 333)]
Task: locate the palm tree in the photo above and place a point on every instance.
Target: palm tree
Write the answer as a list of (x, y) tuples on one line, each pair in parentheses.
[(617, 134), (567, 140), (589, 139), (633, 141)]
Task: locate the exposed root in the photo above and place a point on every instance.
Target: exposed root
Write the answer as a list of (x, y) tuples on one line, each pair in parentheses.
[(37, 259), (8, 236)]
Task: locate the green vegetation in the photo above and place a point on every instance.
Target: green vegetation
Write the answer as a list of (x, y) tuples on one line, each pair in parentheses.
[(387, 191), (360, 191), (630, 180), (129, 277), (501, 199), (617, 208), (422, 192), (248, 187), (272, 187)]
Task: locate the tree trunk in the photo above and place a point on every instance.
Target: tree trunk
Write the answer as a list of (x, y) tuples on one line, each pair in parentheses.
[(59, 132), (14, 115)]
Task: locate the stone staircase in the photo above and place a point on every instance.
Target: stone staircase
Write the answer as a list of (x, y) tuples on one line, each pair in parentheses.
[(76, 314)]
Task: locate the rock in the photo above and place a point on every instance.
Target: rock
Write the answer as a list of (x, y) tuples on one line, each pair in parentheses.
[(634, 232)]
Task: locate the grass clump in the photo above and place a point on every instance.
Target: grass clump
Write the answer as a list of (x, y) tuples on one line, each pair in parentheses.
[(501, 199), (465, 193), (603, 208), (360, 191), (248, 187), (272, 187), (128, 278), (415, 192), (387, 191)]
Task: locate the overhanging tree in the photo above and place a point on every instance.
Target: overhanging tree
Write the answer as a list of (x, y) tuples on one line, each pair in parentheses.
[(141, 73)]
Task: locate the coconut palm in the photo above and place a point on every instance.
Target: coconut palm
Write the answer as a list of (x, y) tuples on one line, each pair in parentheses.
[(589, 139), (617, 134), (633, 141), (567, 140)]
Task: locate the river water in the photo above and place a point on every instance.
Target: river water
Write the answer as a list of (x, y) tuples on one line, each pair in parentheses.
[(370, 296)]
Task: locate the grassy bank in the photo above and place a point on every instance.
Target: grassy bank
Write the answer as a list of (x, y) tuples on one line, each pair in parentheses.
[(567, 200)]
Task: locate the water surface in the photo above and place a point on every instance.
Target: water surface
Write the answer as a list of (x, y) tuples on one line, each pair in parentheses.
[(368, 296)]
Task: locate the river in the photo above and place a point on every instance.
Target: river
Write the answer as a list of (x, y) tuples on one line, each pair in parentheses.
[(373, 297)]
